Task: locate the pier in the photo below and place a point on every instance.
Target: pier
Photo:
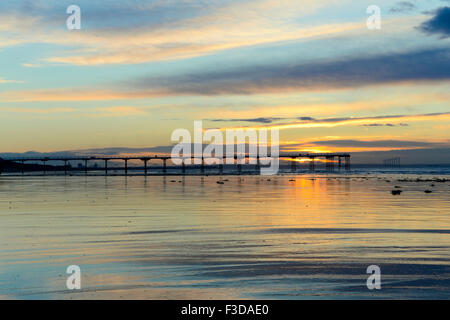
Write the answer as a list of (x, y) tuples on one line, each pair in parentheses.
[(332, 161)]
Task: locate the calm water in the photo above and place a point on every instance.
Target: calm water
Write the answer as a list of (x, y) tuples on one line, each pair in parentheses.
[(189, 238)]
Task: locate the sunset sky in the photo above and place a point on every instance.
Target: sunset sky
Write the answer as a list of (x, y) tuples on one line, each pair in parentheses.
[(137, 70)]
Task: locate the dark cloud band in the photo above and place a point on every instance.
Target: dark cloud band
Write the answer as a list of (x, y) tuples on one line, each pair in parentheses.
[(419, 66)]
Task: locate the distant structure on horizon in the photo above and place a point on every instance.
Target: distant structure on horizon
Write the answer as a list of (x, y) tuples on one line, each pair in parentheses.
[(392, 162)]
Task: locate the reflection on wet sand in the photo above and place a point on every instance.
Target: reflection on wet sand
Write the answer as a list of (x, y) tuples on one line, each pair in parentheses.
[(250, 237)]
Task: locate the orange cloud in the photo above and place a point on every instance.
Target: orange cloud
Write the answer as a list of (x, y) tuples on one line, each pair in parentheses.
[(72, 95), (39, 111)]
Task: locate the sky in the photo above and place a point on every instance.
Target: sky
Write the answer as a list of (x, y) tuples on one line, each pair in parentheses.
[(138, 70)]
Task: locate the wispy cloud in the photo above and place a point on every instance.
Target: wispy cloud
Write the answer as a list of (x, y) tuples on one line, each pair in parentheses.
[(363, 144), (403, 6), (10, 81), (38, 110), (272, 120), (121, 111), (211, 27), (32, 65), (171, 44), (258, 120), (385, 125), (308, 122), (75, 94), (381, 144)]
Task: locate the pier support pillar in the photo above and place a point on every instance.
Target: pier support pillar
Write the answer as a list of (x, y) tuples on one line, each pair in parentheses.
[(312, 164), (239, 164), (294, 165), (65, 167), (145, 166), (202, 166), (106, 167), (164, 166), (258, 164), (347, 163), (126, 167), (329, 163)]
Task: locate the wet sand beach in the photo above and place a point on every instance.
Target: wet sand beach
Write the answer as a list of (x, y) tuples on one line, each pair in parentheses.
[(249, 237)]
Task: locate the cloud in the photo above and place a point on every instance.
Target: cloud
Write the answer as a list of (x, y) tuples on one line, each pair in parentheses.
[(31, 65), (380, 143), (417, 66), (114, 111), (39, 110), (338, 120), (9, 81), (268, 120), (343, 121), (122, 111), (143, 31), (439, 24), (258, 120), (355, 145), (168, 44), (385, 125), (75, 94), (125, 150), (403, 6), (425, 66)]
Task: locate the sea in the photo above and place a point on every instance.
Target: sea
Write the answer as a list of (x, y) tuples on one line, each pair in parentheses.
[(299, 235)]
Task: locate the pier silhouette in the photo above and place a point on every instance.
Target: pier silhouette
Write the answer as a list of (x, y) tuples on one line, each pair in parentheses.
[(332, 161)]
